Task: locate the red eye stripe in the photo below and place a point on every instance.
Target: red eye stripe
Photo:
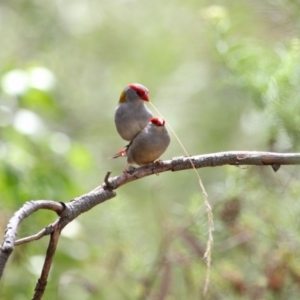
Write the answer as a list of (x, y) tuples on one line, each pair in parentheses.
[(140, 90)]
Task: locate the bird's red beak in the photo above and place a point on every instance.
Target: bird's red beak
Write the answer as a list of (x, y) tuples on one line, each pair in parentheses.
[(145, 97)]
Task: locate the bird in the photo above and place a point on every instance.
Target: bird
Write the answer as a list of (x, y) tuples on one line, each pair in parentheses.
[(148, 145), (131, 114)]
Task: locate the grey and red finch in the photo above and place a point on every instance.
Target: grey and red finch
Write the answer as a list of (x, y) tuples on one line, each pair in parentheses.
[(148, 145), (132, 115)]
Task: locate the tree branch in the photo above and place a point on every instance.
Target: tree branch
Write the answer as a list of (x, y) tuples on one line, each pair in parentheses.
[(81, 204), (11, 230), (236, 158), (42, 282)]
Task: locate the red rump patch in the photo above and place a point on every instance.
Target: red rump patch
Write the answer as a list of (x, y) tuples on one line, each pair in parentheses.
[(122, 152)]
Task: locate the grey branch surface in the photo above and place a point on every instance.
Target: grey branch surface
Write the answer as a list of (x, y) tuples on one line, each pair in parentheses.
[(69, 211)]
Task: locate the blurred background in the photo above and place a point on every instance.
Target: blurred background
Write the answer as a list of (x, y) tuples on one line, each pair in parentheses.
[(225, 75)]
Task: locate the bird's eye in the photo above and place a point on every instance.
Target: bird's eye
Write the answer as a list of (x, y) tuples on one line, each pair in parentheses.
[(140, 93)]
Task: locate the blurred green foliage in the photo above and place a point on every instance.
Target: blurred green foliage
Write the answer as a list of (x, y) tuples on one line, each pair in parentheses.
[(225, 76)]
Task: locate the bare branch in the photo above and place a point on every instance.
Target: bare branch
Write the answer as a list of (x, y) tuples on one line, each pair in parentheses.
[(42, 281), (236, 158), (11, 230), (81, 204)]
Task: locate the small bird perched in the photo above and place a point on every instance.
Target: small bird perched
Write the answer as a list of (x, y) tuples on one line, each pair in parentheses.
[(148, 145), (132, 115)]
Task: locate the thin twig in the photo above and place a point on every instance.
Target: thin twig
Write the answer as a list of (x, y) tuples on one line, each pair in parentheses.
[(42, 281), (45, 231), (106, 181)]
